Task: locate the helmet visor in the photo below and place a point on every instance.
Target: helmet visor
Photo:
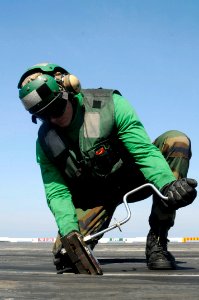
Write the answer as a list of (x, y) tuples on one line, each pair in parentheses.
[(55, 110)]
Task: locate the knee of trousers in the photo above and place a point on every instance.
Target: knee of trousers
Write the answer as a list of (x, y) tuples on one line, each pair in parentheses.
[(175, 144)]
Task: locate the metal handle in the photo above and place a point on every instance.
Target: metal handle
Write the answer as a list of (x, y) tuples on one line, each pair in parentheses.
[(118, 224)]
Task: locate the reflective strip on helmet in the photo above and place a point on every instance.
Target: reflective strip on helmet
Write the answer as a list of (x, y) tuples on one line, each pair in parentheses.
[(41, 64), (31, 99)]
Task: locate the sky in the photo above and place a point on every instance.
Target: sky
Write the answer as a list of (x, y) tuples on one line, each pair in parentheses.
[(148, 50)]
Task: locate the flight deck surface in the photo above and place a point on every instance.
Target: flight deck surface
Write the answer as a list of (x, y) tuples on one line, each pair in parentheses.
[(27, 272)]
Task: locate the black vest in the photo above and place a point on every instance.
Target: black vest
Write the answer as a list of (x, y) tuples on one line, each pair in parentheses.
[(96, 156)]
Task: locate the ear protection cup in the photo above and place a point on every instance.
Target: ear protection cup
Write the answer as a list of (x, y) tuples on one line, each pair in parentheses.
[(71, 83)]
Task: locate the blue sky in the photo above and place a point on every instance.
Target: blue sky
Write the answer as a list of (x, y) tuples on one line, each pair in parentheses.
[(148, 50)]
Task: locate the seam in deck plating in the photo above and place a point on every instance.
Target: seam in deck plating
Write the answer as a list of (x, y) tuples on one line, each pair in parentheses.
[(105, 274)]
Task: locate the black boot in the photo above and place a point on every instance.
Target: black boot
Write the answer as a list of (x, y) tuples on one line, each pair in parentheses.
[(157, 256)]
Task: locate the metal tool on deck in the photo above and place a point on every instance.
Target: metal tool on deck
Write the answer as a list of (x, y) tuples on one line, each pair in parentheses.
[(77, 247), (80, 255)]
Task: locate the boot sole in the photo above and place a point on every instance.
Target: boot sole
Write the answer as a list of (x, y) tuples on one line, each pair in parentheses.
[(162, 265)]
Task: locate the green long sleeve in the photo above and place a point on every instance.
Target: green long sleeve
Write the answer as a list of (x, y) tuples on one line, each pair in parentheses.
[(135, 139), (58, 196)]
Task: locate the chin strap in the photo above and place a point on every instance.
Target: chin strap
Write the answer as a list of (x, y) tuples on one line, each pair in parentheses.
[(34, 119)]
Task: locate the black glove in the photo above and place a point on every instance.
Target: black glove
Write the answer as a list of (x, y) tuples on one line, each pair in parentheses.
[(180, 193), (62, 261)]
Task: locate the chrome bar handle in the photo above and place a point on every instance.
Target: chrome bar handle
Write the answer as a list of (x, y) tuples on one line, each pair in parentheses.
[(118, 224)]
